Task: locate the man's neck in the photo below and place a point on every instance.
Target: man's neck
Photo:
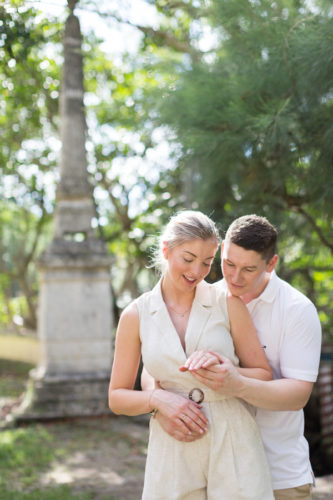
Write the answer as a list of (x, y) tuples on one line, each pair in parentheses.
[(256, 293)]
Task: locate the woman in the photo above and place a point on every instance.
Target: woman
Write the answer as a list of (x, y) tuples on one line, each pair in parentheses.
[(181, 315)]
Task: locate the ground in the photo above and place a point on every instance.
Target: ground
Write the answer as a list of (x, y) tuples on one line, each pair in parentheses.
[(108, 460), (103, 457), (111, 457)]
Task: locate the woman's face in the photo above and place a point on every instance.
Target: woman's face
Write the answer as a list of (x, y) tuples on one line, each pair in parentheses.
[(190, 262)]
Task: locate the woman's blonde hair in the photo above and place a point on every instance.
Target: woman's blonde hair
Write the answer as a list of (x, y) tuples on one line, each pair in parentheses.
[(184, 226)]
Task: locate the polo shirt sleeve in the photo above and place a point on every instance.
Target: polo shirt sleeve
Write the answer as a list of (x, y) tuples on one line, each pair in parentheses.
[(301, 344)]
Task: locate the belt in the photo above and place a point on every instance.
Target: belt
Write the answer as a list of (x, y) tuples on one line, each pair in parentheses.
[(197, 394)]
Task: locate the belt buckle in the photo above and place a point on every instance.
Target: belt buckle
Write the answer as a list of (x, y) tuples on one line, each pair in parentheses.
[(196, 395)]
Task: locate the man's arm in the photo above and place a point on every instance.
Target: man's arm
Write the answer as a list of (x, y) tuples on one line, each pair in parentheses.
[(284, 394), (299, 355)]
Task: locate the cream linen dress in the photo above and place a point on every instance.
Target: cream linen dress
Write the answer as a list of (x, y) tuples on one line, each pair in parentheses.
[(229, 462)]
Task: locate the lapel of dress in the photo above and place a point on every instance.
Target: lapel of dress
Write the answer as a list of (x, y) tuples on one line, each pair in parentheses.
[(200, 313), (163, 324)]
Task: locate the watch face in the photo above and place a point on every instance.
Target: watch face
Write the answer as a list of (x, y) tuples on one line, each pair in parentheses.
[(196, 395)]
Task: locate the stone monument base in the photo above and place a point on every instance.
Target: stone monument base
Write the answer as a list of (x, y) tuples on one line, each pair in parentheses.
[(69, 395)]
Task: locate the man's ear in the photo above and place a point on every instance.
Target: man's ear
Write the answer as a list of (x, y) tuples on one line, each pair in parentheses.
[(272, 263)]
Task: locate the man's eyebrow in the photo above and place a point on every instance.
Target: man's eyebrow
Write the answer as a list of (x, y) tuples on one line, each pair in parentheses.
[(193, 255), (248, 267)]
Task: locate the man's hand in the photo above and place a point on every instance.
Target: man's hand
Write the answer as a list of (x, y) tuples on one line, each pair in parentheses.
[(180, 417), (223, 378)]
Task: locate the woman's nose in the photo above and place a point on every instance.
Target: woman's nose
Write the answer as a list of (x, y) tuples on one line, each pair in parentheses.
[(195, 270)]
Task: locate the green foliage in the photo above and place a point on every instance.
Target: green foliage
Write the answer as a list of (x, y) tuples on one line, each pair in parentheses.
[(22, 451), (254, 120), (137, 192), (257, 128), (24, 454), (23, 235), (131, 201), (29, 81), (246, 123)]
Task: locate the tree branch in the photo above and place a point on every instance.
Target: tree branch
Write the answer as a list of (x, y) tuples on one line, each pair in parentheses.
[(170, 40), (315, 226), (167, 37)]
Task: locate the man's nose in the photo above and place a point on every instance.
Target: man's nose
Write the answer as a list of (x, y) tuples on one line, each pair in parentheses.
[(237, 275)]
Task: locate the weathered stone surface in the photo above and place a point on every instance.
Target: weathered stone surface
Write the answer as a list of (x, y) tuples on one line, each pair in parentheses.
[(75, 303), (70, 395), (68, 254)]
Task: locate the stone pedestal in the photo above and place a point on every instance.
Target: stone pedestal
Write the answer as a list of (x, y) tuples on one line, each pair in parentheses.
[(75, 333), (74, 318), (73, 395)]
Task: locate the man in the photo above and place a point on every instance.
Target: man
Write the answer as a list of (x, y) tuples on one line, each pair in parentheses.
[(289, 330)]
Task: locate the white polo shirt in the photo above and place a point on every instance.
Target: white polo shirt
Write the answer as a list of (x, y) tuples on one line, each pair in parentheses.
[(288, 326)]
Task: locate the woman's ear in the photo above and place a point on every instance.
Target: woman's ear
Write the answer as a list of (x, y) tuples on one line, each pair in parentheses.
[(165, 249)]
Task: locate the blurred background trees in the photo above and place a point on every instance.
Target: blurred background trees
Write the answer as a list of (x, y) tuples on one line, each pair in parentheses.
[(254, 119), (223, 105)]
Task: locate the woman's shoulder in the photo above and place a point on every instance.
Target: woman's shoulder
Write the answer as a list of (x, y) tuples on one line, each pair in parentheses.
[(213, 294), (130, 312), (148, 300), (144, 297), (220, 290)]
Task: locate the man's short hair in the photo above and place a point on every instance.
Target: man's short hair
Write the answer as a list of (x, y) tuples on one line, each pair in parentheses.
[(253, 232)]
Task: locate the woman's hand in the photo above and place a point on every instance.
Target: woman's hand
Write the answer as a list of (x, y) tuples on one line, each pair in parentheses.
[(224, 378), (200, 359), (180, 417)]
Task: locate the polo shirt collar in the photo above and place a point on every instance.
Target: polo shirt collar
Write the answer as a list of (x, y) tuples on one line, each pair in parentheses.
[(269, 292)]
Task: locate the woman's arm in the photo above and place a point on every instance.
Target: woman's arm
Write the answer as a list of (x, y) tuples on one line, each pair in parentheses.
[(126, 401), (252, 358), (122, 398), (147, 381)]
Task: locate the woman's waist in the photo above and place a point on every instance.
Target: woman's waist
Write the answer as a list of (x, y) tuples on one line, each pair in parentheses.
[(196, 392)]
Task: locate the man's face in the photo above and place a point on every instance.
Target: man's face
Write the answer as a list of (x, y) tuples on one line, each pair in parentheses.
[(245, 271)]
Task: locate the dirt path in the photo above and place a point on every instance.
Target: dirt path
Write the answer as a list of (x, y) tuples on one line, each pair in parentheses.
[(324, 488), (105, 457)]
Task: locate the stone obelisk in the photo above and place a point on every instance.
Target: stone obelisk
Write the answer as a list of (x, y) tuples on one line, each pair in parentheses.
[(75, 311)]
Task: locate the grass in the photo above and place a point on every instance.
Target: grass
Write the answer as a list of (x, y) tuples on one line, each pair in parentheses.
[(13, 377), (60, 493), (24, 454), (28, 454)]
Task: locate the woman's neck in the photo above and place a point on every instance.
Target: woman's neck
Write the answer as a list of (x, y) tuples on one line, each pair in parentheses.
[(175, 298)]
